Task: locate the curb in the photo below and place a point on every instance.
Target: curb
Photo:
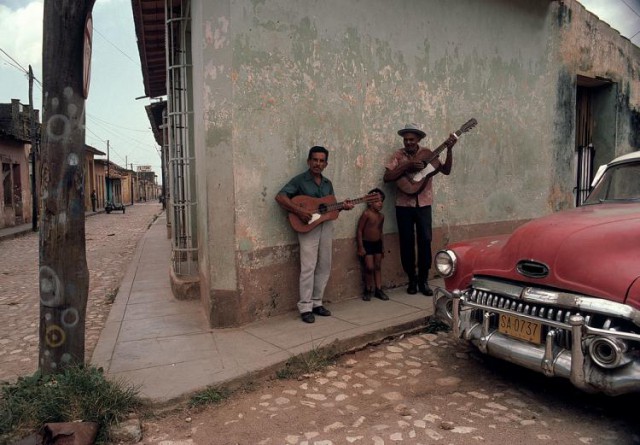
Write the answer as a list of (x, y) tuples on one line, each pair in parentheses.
[(340, 347)]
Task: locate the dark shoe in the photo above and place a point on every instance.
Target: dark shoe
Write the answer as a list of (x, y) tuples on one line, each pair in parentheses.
[(425, 289), (322, 311), (381, 295), (307, 317), (367, 295), (412, 289)]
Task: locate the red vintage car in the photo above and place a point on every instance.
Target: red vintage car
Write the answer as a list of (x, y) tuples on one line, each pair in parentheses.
[(561, 294)]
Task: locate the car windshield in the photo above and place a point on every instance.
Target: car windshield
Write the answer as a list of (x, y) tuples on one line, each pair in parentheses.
[(618, 183)]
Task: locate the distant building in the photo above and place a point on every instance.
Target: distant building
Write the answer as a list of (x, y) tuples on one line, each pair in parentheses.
[(115, 183), (147, 183), (93, 179), (15, 148)]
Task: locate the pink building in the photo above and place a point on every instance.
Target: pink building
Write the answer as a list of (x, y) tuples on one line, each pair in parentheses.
[(15, 148)]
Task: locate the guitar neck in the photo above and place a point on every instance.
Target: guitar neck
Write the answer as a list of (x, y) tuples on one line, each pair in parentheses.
[(435, 153), (339, 205), (442, 146)]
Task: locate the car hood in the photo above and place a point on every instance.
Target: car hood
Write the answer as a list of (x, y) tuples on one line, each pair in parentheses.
[(592, 250)]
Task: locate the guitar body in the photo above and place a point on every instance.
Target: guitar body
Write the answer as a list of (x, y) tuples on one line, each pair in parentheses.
[(413, 183), (323, 209), (318, 206)]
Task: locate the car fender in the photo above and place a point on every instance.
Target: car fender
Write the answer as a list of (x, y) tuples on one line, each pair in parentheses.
[(633, 294)]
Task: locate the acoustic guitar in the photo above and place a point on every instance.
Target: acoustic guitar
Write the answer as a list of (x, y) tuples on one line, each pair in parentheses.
[(322, 209), (413, 183)]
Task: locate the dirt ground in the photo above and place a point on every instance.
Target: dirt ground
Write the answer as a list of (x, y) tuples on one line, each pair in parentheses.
[(418, 389)]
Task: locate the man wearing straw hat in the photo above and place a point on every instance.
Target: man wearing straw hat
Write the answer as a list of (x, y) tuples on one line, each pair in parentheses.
[(413, 210)]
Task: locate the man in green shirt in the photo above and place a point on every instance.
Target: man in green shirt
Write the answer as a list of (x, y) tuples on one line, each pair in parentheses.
[(315, 245)]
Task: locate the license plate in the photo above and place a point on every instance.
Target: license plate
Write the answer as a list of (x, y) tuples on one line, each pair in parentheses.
[(520, 328)]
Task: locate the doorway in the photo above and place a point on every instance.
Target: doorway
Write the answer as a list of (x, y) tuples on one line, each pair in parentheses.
[(596, 121)]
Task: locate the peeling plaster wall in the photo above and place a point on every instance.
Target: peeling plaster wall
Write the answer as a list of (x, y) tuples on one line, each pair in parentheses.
[(587, 46), (280, 76), (213, 97), (347, 75)]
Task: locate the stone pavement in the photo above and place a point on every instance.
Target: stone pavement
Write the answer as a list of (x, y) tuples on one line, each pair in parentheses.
[(111, 242), (419, 389), (167, 347), (162, 344)]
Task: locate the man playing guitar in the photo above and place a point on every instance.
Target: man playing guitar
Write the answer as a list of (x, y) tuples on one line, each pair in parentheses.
[(413, 209), (316, 244)]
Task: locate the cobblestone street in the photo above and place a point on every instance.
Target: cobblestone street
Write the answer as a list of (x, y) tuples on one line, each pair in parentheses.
[(417, 389), (111, 242)]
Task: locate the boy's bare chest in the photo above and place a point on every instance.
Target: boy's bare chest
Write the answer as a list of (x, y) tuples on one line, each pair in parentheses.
[(375, 218)]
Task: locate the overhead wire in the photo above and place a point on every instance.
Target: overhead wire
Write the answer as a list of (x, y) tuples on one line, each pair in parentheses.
[(128, 140), (12, 64), (15, 64), (116, 47), (92, 116), (24, 70), (636, 13), (629, 6)]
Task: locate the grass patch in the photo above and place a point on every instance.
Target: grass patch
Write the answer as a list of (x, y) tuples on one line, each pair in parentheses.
[(210, 396), (152, 221), (111, 296), (315, 360), (434, 326), (77, 393)]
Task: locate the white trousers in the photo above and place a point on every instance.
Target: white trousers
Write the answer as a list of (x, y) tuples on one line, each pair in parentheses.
[(315, 265)]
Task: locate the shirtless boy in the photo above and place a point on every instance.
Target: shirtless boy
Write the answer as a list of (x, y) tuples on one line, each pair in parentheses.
[(370, 246)]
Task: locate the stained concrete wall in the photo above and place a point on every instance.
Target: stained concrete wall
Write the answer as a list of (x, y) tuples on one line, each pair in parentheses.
[(272, 78)]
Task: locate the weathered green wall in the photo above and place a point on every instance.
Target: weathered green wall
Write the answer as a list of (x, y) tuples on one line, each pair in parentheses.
[(347, 75), (278, 76)]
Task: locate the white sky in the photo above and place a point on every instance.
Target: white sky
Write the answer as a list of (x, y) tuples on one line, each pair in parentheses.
[(113, 114), (622, 15)]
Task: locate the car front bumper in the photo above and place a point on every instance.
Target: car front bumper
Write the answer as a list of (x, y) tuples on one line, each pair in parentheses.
[(564, 350)]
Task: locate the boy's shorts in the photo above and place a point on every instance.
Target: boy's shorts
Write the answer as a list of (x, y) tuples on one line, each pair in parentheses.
[(372, 247)]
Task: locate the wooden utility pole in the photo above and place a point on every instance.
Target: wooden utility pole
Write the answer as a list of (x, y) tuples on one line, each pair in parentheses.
[(63, 273), (108, 175), (132, 183), (34, 155)]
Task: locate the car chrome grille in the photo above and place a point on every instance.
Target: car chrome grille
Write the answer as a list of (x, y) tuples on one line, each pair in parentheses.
[(492, 300)]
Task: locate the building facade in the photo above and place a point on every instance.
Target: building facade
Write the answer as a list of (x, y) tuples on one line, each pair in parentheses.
[(92, 179), (250, 86), (15, 158)]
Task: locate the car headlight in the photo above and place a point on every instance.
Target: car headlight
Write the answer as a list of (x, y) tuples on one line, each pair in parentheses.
[(446, 262)]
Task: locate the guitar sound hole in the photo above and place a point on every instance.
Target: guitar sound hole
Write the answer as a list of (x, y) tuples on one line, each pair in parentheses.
[(322, 208)]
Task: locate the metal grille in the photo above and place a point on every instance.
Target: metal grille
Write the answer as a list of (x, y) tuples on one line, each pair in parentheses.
[(491, 300), (181, 150)]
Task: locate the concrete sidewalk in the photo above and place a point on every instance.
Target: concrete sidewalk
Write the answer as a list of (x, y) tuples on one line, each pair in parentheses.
[(166, 347), (24, 229), (15, 231)]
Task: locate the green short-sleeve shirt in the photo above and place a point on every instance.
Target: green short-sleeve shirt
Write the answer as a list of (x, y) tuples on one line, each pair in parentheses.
[(303, 184)]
